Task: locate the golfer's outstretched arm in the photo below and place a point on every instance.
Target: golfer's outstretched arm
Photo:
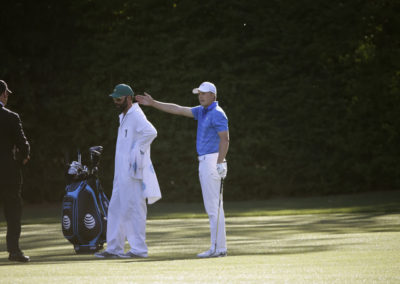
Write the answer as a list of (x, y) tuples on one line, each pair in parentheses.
[(147, 100)]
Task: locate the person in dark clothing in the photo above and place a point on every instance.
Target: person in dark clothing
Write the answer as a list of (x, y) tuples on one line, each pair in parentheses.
[(14, 153)]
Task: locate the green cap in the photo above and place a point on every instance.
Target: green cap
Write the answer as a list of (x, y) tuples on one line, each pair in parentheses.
[(122, 90)]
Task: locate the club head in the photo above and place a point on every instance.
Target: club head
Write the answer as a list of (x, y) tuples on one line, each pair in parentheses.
[(95, 153), (96, 150)]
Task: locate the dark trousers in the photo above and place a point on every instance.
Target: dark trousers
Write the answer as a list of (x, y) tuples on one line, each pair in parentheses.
[(12, 203)]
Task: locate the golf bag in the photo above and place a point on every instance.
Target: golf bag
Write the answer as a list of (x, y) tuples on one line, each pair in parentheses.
[(85, 206)]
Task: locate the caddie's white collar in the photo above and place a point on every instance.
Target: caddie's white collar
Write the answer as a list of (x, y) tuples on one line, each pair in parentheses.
[(134, 107)]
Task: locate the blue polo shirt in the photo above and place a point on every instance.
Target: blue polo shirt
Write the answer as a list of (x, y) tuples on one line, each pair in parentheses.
[(210, 121)]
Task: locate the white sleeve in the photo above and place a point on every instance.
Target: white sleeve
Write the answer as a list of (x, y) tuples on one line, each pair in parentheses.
[(147, 133)]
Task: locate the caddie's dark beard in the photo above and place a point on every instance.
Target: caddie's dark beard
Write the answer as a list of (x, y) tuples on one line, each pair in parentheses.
[(122, 107)]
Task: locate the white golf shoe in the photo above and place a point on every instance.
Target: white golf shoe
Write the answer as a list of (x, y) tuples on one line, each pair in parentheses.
[(213, 253)]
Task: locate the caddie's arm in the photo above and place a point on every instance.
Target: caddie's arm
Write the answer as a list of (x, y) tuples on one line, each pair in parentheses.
[(147, 100), (147, 133), (223, 146)]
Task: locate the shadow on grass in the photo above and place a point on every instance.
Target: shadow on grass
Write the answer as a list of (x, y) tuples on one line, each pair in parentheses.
[(64, 258), (182, 239), (369, 202)]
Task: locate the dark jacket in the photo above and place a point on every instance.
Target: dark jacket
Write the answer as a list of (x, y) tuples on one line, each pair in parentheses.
[(14, 147)]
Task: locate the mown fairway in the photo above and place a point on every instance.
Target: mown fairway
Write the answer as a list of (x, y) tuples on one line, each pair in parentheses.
[(305, 248)]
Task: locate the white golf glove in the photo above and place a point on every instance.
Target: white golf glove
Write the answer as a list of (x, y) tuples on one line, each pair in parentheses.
[(222, 169)]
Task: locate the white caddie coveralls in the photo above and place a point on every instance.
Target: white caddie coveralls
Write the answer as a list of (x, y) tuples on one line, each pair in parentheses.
[(134, 181)]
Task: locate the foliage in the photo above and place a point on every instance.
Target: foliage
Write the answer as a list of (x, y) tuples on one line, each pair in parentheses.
[(311, 89)]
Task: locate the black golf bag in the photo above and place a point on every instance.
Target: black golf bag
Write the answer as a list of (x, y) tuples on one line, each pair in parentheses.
[(84, 206)]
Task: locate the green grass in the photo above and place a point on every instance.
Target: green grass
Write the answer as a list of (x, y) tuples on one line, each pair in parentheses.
[(349, 241)]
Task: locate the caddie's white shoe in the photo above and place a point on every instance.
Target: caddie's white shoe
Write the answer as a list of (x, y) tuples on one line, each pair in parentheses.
[(212, 253), (130, 254)]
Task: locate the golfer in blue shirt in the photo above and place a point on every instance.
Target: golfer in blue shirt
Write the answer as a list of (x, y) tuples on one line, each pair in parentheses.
[(212, 146)]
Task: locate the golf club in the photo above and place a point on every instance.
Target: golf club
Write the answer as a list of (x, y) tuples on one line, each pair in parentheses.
[(221, 189)]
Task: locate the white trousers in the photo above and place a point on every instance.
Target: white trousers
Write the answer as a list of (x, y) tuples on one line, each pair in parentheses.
[(210, 186), (126, 219)]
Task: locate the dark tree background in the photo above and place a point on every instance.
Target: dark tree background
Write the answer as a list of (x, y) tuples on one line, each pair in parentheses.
[(311, 89)]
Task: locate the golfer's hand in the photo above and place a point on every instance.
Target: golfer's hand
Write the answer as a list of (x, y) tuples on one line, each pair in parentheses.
[(222, 169), (145, 99)]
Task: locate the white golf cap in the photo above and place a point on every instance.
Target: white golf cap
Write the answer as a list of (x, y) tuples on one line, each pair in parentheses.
[(205, 87)]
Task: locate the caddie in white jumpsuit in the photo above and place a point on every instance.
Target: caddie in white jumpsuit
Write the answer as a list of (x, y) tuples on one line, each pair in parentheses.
[(212, 146), (134, 180)]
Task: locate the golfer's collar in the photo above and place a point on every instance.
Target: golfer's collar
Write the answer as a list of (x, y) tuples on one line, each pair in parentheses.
[(1, 103), (211, 106)]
